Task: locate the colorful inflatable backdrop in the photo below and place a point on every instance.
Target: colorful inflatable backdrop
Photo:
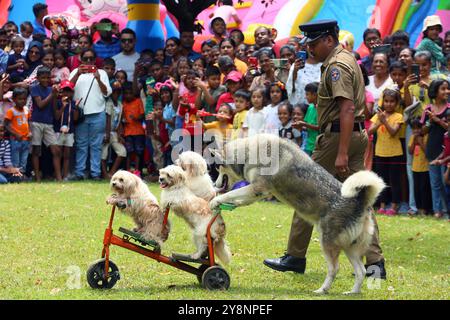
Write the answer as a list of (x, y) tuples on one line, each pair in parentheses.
[(284, 15)]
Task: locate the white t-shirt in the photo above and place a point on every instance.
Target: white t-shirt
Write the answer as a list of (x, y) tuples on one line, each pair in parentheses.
[(254, 121), (271, 121), (377, 92), (126, 63), (96, 101), (310, 73), (225, 12)]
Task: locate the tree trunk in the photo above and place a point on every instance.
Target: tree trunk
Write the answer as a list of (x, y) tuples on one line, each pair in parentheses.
[(186, 12)]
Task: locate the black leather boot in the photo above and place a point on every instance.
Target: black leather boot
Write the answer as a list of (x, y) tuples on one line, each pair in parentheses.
[(287, 263)]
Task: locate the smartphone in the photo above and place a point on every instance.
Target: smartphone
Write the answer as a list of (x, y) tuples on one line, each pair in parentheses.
[(253, 61), (303, 55), (384, 48), (415, 70), (90, 69), (103, 26), (279, 63)]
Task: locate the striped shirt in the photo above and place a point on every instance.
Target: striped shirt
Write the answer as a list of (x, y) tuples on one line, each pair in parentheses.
[(107, 50), (5, 154)]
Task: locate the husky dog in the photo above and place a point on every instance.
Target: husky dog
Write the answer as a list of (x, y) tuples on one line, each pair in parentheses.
[(341, 211), (194, 210), (198, 179)]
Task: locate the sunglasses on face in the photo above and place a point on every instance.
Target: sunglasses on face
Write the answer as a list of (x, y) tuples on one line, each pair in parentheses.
[(88, 59), (34, 52)]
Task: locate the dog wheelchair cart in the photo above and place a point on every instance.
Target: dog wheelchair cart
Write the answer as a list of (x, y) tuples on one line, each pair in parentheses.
[(104, 273)]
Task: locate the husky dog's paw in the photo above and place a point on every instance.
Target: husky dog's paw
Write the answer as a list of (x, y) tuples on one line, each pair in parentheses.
[(213, 204), (320, 291), (347, 293)]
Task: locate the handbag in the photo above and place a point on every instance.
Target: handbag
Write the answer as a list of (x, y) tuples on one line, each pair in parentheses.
[(81, 116)]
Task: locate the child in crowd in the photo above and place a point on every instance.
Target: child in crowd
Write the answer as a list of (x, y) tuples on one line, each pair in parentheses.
[(310, 120), (211, 92), (434, 118), (388, 149), (66, 115), (199, 66), (134, 133), (159, 137), (422, 189), (17, 65), (286, 130), (276, 94), (16, 122), (26, 32), (121, 76), (48, 59), (42, 117), (242, 104), (60, 72), (233, 81), (254, 122), (298, 117), (223, 125), (188, 111), (109, 65), (5, 95), (169, 112), (8, 173), (114, 130)]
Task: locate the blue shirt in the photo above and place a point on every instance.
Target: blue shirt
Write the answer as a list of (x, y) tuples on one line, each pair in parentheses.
[(38, 28), (3, 60), (44, 115), (65, 121), (168, 114), (105, 50)]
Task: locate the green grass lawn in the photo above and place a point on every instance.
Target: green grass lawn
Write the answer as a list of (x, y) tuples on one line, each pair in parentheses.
[(49, 231)]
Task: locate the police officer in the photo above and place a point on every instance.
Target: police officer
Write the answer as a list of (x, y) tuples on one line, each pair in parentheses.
[(342, 141)]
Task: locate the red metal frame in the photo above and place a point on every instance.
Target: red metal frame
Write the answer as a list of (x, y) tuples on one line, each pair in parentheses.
[(111, 239)]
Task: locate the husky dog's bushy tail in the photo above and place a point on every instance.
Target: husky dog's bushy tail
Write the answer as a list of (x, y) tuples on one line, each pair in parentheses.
[(366, 181), (222, 251)]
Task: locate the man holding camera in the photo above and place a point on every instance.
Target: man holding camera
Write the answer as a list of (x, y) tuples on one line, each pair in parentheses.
[(108, 45)]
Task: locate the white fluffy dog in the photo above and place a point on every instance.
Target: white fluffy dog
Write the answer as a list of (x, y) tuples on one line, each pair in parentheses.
[(132, 196), (197, 177), (194, 210)]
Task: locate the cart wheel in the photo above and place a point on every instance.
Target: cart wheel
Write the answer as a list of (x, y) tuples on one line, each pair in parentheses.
[(216, 278), (202, 268), (96, 275)]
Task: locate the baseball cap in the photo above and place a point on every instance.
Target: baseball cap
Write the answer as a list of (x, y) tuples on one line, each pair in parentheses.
[(67, 84), (234, 76)]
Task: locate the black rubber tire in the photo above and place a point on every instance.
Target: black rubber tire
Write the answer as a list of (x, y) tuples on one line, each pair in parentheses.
[(96, 275), (202, 268), (215, 278)]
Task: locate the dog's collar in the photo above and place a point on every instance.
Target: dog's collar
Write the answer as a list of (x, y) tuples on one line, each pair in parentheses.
[(129, 201)]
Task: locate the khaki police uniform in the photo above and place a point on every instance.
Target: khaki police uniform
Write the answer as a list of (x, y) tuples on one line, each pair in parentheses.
[(341, 77)]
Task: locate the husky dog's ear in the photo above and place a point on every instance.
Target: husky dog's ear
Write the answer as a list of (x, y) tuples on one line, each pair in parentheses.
[(219, 156)]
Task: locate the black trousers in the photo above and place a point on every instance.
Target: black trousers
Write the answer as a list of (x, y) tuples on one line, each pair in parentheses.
[(389, 168), (422, 191)]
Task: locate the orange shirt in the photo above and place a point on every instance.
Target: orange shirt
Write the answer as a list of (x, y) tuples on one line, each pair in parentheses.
[(19, 121), (131, 112)]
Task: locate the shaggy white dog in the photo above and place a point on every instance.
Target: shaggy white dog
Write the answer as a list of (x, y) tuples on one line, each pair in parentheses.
[(132, 196), (194, 210), (197, 177)]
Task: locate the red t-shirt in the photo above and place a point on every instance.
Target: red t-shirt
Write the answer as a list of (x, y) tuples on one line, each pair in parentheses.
[(190, 122), (225, 98), (133, 127)]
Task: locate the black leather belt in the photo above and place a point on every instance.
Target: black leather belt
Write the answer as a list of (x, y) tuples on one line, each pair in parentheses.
[(336, 127)]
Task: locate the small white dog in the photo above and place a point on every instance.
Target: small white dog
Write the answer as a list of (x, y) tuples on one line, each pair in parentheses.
[(197, 177), (194, 210), (132, 196)]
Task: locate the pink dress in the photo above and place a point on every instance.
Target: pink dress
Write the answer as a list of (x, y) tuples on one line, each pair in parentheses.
[(368, 156), (60, 74)]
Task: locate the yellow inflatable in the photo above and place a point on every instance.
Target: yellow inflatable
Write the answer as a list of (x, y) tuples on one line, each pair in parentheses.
[(250, 32), (347, 39)]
